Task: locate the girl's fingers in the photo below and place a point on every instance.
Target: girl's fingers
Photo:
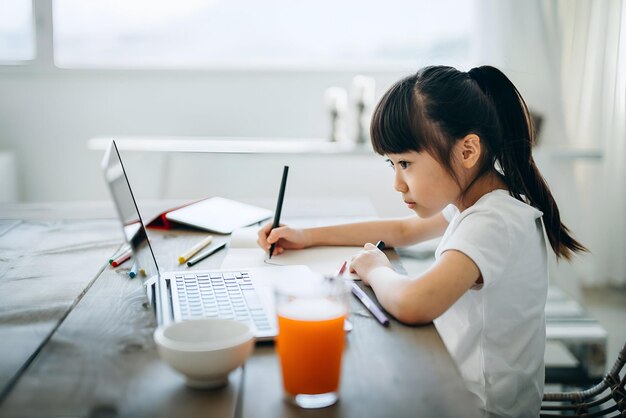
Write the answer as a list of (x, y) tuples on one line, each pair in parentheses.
[(266, 228), (263, 235), (269, 236), (276, 234), (350, 263)]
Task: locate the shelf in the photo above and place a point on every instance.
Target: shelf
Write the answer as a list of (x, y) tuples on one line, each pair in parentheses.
[(570, 153), (231, 145)]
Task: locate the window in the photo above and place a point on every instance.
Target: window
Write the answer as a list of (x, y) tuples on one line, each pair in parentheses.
[(16, 31), (260, 33)]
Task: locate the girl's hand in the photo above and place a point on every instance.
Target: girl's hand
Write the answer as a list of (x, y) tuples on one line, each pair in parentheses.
[(284, 237), (368, 260)]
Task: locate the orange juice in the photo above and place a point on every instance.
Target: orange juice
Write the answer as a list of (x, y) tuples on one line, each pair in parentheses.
[(310, 343)]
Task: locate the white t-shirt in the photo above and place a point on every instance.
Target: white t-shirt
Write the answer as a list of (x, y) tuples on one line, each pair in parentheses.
[(496, 331)]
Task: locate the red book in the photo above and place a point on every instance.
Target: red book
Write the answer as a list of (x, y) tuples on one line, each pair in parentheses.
[(161, 222)]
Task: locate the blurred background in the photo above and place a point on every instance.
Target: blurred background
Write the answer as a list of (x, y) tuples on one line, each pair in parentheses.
[(158, 73)]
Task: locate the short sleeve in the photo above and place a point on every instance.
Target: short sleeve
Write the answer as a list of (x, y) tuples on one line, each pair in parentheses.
[(449, 212), (484, 237)]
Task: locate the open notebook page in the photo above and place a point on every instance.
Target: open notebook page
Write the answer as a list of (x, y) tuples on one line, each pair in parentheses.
[(244, 252)]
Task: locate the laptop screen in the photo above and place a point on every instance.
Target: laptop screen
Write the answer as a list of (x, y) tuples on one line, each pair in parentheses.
[(127, 211)]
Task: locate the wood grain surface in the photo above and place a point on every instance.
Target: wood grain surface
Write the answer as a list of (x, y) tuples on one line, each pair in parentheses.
[(76, 341), (102, 361), (399, 371), (45, 266)]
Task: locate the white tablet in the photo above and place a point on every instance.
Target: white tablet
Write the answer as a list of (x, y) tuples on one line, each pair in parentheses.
[(219, 215)]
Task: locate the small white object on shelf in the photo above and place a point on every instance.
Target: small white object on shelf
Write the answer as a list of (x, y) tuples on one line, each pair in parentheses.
[(363, 91), (337, 105)]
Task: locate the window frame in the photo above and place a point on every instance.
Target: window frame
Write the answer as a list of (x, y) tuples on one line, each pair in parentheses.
[(43, 60)]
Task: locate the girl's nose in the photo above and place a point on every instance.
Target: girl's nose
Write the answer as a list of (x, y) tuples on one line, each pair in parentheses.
[(399, 184)]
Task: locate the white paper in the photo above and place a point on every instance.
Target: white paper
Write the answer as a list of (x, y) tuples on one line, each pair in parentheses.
[(238, 258), (244, 252), (245, 238)]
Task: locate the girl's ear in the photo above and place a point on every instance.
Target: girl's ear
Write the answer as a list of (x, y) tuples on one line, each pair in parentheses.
[(468, 150)]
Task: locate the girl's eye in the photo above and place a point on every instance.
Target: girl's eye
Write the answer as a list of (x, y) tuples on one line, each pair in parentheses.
[(404, 164), (390, 163)]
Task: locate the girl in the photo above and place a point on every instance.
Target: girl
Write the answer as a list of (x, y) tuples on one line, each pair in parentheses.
[(460, 146)]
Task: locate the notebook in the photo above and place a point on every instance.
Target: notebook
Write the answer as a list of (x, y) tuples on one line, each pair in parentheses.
[(244, 251)]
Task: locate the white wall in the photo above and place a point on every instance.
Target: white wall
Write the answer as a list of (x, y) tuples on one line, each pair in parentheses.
[(46, 117)]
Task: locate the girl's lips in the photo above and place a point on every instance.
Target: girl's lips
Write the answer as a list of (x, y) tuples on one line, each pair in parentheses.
[(411, 205)]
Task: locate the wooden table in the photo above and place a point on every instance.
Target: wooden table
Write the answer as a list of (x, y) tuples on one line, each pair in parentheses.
[(76, 335)]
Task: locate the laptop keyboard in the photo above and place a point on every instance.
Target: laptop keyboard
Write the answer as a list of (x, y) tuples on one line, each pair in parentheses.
[(228, 295)]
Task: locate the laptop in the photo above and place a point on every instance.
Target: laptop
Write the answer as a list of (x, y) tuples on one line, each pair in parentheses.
[(244, 294)]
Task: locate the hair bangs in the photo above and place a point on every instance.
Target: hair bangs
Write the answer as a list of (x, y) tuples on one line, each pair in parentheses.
[(391, 129)]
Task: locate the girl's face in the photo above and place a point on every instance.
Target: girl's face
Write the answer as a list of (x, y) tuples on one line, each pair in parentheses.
[(426, 187)]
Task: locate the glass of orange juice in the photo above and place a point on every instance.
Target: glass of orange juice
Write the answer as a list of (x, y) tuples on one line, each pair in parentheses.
[(311, 314)]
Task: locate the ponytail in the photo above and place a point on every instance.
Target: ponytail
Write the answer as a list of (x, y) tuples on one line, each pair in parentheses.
[(512, 150)]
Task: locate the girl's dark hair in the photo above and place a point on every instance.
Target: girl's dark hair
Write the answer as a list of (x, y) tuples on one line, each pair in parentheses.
[(434, 108)]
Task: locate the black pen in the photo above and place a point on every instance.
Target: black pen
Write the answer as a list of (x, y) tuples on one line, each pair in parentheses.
[(210, 251), (365, 300), (279, 204)]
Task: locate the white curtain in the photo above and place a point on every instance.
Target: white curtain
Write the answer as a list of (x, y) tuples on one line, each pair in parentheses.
[(592, 44), (615, 172), (568, 58)]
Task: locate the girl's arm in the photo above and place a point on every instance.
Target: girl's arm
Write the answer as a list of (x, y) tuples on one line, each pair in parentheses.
[(394, 232), (419, 300)]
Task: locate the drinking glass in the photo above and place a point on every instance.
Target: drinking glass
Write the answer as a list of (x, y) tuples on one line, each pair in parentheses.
[(311, 339)]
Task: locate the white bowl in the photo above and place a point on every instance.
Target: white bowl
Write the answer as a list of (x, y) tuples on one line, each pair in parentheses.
[(205, 350)]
